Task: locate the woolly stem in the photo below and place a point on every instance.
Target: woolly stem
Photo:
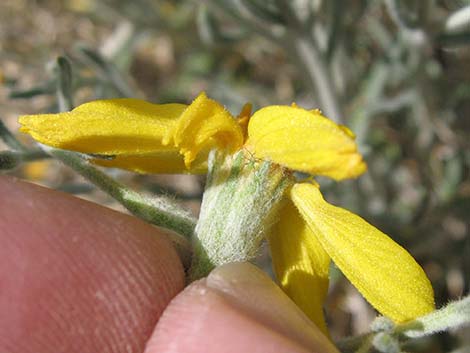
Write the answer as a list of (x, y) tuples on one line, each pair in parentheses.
[(237, 209)]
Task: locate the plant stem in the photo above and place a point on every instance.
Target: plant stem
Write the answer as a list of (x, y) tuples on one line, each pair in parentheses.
[(238, 206), (305, 47), (64, 84), (160, 211), (454, 315)]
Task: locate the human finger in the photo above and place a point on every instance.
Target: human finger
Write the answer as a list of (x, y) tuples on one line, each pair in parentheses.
[(78, 277), (237, 308)]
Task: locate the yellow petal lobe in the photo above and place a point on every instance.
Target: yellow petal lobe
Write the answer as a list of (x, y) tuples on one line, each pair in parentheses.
[(205, 123), (114, 126), (304, 140), (141, 136), (384, 272), (300, 264), (169, 162)]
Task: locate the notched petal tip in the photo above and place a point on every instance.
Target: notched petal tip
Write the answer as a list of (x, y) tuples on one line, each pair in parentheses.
[(43, 127), (384, 272), (306, 141)]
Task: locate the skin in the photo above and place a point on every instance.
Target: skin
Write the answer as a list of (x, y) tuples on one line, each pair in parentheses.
[(78, 277)]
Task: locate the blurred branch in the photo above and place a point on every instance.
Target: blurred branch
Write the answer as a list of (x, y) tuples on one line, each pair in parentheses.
[(335, 27), (298, 42), (64, 84), (107, 71), (242, 14), (291, 19), (263, 10), (46, 88), (417, 36), (318, 75), (306, 50), (10, 139), (393, 104), (454, 39), (12, 159)]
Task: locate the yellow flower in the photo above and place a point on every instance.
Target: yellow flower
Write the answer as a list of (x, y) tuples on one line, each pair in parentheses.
[(140, 136), (173, 138)]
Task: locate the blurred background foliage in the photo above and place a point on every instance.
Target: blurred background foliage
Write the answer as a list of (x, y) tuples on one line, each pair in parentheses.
[(396, 72)]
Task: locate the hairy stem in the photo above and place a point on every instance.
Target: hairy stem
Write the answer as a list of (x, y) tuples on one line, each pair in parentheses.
[(160, 211)]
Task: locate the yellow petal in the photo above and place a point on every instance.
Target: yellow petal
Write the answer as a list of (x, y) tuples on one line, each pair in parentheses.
[(304, 140), (114, 126), (205, 123), (300, 263), (143, 137), (384, 272), (171, 162)]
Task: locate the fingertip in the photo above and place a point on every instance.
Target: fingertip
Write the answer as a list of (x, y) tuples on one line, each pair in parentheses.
[(78, 277), (203, 320), (237, 308)]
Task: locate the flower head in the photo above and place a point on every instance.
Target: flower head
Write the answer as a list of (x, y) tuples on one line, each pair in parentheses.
[(174, 138)]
